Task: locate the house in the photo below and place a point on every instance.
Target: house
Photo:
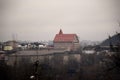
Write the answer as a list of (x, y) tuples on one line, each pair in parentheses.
[(66, 41), (13, 44), (89, 49)]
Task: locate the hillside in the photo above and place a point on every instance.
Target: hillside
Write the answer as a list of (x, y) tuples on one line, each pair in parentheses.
[(115, 40)]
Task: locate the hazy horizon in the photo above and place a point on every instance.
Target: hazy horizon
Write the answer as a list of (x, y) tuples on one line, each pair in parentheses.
[(39, 20)]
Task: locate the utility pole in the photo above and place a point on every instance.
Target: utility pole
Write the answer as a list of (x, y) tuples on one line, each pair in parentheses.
[(15, 48)]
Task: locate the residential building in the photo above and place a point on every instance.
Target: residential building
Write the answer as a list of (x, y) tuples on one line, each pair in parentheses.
[(66, 41)]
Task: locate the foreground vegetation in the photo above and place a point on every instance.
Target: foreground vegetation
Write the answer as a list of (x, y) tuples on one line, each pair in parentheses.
[(100, 66)]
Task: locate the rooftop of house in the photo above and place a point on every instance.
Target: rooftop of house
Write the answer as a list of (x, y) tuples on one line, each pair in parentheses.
[(61, 37)]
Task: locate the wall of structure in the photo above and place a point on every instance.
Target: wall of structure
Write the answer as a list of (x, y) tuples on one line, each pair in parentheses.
[(55, 59), (66, 46), (63, 45), (12, 43), (76, 46)]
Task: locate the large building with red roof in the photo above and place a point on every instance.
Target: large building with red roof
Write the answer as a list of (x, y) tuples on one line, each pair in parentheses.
[(66, 41)]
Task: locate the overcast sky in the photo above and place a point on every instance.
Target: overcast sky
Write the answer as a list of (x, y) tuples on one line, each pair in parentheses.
[(37, 20)]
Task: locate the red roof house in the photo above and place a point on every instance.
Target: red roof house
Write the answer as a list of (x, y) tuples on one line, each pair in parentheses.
[(66, 41)]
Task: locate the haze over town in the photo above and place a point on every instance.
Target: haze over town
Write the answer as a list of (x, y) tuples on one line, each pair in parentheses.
[(41, 19)]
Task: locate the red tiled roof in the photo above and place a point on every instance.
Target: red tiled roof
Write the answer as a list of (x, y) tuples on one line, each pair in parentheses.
[(60, 37), (64, 37)]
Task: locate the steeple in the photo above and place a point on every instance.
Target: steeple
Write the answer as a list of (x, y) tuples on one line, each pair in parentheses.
[(60, 32)]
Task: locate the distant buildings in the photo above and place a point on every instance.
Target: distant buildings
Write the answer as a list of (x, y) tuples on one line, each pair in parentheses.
[(1, 46), (12, 43), (66, 41)]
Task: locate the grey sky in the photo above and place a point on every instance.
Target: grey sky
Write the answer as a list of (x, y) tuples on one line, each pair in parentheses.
[(37, 20)]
